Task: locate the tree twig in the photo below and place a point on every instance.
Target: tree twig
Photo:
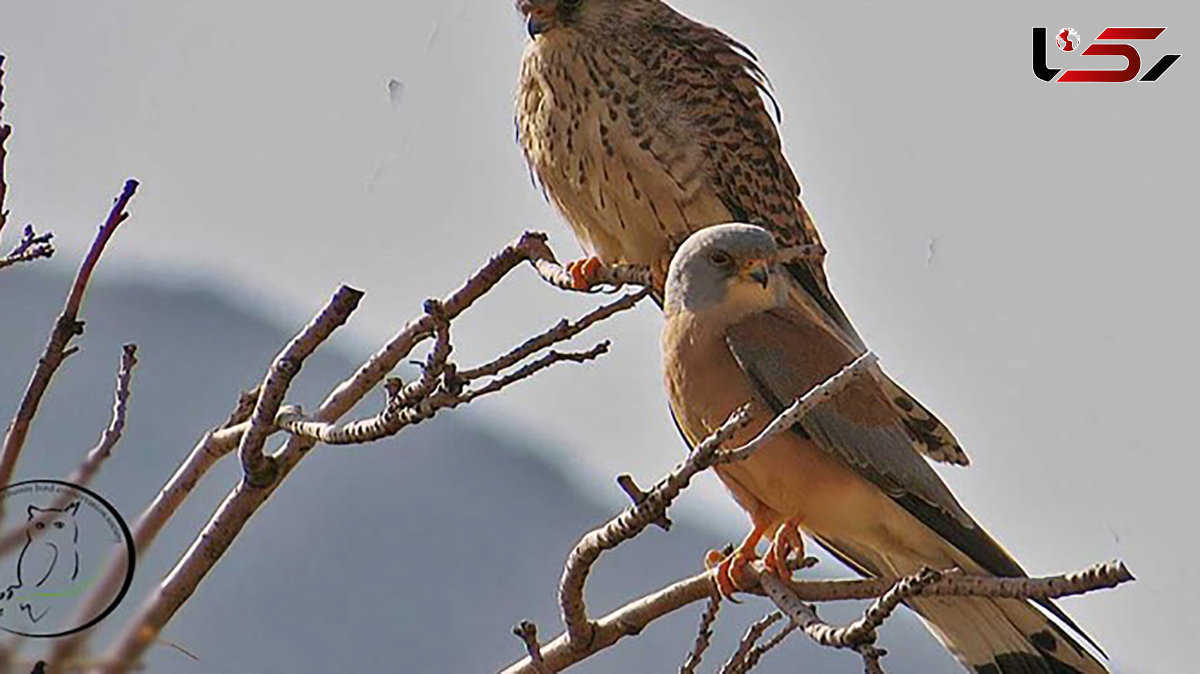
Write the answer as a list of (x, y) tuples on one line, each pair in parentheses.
[(395, 419), (737, 662), (33, 246), (562, 332), (65, 329), (956, 584), (5, 132), (615, 276), (626, 621), (581, 631), (527, 632), (257, 467), (633, 617), (423, 399), (798, 410), (635, 494), (703, 636), (435, 362), (584, 636), (87, 469), (791, 598), (242, 502), (756, 654), (707, 454), (212, 447)]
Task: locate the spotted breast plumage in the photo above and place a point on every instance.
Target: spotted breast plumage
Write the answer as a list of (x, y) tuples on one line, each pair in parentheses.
[(645, 126)]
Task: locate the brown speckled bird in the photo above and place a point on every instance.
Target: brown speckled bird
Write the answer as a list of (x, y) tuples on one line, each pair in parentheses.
[(847, 474), (645, 126)]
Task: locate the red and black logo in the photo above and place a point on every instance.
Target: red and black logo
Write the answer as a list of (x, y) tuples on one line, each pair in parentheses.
[(1110, 42)]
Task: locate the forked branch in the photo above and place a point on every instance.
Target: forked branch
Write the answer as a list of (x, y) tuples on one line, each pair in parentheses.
[(583, 637), (58, 347), (441, 385)]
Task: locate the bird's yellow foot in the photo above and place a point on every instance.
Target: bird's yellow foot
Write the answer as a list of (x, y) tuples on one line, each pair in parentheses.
[(584, 273), (731, 568), (786, 541)]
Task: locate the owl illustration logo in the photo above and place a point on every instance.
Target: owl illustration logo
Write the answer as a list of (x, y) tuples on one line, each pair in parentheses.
[(48, 565)]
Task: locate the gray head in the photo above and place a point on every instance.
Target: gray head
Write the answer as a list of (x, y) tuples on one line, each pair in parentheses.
[(730, 267)]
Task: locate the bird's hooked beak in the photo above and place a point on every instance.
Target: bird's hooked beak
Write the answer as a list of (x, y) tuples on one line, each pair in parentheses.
[(757, 271), (538, 16)]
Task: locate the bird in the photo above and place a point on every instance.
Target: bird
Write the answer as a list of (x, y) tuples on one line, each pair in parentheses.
[(849, 474), (644, 126)]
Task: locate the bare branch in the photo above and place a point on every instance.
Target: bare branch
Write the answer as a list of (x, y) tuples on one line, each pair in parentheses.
[(703, 636), (83, 474), (527, 632), (584, 636), (33, 246), (800, 409), (563, 331), (257, 467), (435, 362), (804, 616), (395, 419), (112, 434), (871, 659), (863, 631), (580, 629), (615, 276), (423, 399), (860, 635), (546, 361), (211, 448), (737, 662), (629, 620), (632, 618), (957, 584), (65, 329), (655, 505), (244, 501), (244, 408), (5, 132), (635, 494), (756, 654)]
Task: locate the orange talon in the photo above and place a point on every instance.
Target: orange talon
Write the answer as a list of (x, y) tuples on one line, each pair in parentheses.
[(731, 568), (786, 541), (584, 273)]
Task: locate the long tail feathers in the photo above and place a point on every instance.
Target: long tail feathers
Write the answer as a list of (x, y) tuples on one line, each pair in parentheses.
[(988, 636), (1004, 636)]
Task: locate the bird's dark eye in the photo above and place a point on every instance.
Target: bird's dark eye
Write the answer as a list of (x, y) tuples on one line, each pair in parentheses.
[(720, 258), (41, 525), (58, 525)]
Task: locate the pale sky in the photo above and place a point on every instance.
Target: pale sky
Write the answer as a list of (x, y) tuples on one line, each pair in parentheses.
[(1020, 254)]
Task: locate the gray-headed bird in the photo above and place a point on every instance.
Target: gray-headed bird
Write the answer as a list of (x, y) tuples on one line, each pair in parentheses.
[(849, 475), (645, 126)]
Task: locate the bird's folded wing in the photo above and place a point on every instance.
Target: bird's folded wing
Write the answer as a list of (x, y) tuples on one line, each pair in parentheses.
[(930, 436), (784, 357)]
